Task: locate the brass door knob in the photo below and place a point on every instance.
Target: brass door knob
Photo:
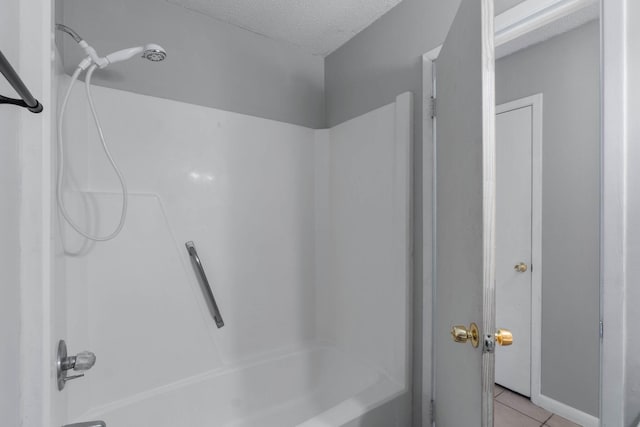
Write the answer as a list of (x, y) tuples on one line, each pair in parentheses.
[(461, 334), (520, 268), (504, 337)]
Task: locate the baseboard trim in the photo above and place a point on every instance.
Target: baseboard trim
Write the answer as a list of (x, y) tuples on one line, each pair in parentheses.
[(566, 411)]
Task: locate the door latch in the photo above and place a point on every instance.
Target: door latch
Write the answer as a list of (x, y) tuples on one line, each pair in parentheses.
[(502, 337)]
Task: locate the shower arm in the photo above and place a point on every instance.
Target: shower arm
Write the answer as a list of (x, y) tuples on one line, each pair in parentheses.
[(69, 31), (90, 51)]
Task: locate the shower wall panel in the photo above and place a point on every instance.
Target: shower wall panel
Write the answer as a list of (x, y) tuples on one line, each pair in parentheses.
[(363, 248), (241, 188)]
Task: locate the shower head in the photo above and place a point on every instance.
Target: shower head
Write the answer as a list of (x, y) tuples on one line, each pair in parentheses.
[(152, 52)]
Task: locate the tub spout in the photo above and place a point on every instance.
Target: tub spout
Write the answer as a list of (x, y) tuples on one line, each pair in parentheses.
[(87, 424)]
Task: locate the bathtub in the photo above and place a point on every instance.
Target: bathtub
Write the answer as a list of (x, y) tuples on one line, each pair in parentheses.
[(312, 387)]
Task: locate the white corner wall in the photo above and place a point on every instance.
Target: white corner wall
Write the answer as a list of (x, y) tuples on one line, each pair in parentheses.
[(363, 185)]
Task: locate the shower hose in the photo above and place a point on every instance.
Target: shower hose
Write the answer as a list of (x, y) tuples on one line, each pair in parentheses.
[(105, 147)]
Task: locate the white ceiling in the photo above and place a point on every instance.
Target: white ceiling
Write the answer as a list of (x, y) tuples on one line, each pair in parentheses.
[(319, 27)]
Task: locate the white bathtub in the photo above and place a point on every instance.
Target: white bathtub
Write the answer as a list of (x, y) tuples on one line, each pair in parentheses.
[(312, 387)]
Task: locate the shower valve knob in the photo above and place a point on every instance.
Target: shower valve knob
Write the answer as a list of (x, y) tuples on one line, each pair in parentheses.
[(84, 361), (81, 362)]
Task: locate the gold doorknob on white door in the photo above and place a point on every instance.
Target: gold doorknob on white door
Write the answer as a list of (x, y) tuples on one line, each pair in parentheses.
[(504, 337), (520, 268), (461, 334)]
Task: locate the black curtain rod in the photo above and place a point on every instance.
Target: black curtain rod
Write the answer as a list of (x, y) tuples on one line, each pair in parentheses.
[(27, 101)]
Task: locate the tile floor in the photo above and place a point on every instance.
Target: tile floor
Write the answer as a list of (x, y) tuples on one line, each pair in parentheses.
[(514, 410)]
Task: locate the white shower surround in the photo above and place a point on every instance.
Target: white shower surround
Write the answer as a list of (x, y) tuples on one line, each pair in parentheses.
[(304, 235)]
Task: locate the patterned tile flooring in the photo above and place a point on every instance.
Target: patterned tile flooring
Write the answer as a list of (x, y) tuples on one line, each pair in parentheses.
[(514, 410)]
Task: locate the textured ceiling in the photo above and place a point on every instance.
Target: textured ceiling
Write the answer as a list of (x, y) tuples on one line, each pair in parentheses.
[(318, 26)]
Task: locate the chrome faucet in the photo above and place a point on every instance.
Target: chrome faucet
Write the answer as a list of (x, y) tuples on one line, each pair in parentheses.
[(87, 424), (80, 362)]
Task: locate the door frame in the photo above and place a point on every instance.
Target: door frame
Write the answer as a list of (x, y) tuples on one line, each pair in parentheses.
[(527, 23), (536, 104), (615, 284)]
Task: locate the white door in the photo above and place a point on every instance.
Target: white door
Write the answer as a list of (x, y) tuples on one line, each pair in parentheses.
[(514, 140), (465, 219)]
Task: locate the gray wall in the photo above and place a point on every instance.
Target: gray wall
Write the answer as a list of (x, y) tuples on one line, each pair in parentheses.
[(209, 62), (9, 224), (385, 59), (565, 70)]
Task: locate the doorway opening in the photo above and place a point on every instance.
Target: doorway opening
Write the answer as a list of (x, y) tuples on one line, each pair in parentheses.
[(519, 241)]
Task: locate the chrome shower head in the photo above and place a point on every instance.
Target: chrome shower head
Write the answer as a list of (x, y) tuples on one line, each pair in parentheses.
[(154, 53)]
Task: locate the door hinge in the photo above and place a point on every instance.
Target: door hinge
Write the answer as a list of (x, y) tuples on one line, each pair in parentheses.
[(432, 412), (432, 107), (601, 329)]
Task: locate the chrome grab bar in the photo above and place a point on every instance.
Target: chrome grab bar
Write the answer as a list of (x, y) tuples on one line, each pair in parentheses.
[(193, 253)]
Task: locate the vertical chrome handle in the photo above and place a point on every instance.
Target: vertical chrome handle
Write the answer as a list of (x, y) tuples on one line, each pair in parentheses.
[(193, 253)]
